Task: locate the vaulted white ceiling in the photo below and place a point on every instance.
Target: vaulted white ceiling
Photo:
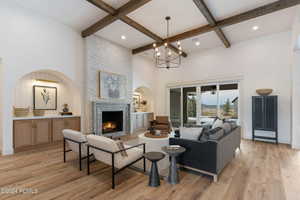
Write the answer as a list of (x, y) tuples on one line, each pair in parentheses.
[(80, 14)]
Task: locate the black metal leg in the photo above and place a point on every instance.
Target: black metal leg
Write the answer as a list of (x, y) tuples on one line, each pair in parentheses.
[(144, 159), (88, 160), (80, 156), (113, 171), (64, 150)]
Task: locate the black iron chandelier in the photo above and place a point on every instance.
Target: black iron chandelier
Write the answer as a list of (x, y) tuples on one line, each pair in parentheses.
[(164, 56)]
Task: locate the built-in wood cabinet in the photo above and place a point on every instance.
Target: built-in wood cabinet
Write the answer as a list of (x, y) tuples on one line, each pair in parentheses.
[(23, 133), (141, 121), (41, 131), (28, 133), (58, 125)]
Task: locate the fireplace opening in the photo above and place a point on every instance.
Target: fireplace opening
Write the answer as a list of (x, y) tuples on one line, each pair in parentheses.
[(112, 121)]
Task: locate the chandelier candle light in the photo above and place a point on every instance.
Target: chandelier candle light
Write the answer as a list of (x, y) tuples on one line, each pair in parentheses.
[(165, 57)]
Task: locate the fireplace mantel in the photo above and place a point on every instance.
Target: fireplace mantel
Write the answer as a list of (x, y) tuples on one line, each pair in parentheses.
[(99, 107)]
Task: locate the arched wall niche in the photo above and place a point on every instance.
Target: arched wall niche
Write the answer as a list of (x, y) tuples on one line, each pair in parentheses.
[(145, 94), (67, 92)]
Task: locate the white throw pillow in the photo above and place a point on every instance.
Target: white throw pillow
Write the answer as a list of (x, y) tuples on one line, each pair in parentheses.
[(190, 133), (217, 123)]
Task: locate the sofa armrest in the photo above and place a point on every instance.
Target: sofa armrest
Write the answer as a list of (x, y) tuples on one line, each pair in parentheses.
[(198, 155)]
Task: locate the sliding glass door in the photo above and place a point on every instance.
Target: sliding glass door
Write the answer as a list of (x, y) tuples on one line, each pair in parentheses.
[(228, 101), (175, 107), (189, 105), (201, 104)]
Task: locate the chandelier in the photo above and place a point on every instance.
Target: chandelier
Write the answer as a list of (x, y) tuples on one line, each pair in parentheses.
[(165, 57)]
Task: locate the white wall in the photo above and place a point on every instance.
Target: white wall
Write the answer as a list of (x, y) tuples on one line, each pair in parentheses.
[(66, 94), (262, 62), (103, 55), (1, 104), (144, 76), (295, 50), (31, 42)]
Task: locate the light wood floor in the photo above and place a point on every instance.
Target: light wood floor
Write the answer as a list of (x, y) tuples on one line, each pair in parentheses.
[(260, 171)]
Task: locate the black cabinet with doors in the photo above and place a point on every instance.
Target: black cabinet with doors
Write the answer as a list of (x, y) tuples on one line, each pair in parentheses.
[(265, 116)]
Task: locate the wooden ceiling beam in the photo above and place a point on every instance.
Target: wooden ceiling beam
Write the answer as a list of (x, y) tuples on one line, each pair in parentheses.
[(112, 11), (122, 11), (251, 14), (211, 20)]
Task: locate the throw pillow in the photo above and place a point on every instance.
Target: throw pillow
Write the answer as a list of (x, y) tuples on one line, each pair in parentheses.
[(226, 127), (233, 125), (218, 135), (203, 134), (217, 123), (190, 133), (121, 147)]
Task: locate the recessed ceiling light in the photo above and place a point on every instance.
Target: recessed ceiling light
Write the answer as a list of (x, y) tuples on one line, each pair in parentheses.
[(123, 37), (255, 28), (197, 43)]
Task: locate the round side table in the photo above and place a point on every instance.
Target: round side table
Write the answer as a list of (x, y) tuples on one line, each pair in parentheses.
[(173, 177), (154, 157)]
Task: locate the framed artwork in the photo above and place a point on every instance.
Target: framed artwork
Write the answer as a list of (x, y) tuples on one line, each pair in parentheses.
[(112, 86), (44, 98), (136, 101)]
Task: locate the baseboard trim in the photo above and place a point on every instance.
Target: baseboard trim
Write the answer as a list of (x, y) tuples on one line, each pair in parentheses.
[(6, 152)]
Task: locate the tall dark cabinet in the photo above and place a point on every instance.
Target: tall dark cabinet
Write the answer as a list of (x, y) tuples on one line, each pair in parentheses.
[(265, 116)]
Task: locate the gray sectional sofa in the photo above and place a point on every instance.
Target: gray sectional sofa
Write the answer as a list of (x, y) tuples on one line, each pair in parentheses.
[(209, 156)]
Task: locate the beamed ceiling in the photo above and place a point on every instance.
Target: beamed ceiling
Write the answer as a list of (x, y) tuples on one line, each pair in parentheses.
[(211, 22)]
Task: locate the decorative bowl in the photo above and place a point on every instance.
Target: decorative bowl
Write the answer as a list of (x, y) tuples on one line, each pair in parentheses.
[(21, 112), (264, 92)]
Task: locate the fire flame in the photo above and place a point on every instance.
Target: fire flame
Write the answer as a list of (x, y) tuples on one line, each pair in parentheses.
[(109, 125)]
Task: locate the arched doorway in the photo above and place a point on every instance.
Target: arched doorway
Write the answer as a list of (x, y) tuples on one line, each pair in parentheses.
[(143, 99), (69, 92)]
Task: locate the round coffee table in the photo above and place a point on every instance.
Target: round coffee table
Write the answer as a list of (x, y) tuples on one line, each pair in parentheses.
[(154, 157), (173, 172)]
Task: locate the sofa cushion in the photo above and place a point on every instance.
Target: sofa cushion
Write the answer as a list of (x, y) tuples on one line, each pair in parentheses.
[(76, 136), (190, 133), (211, 134), (111, 145), (216, 133)]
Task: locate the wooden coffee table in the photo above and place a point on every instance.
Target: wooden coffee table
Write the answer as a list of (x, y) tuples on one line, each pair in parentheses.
[(149, 135)]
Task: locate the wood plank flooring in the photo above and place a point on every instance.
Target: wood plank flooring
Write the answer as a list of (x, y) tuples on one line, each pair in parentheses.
[(260, 171)]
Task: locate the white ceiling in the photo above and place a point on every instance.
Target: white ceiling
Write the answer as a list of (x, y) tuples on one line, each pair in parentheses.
[(80, 14), (134, 38)]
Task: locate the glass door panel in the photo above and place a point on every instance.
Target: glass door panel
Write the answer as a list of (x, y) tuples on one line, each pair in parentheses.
[(175, 106), (228, 101), (208, 103), (189, 106)]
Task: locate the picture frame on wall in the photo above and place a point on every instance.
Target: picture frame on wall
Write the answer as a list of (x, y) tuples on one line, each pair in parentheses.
[(44, 97), (112, 86), (136, 101)]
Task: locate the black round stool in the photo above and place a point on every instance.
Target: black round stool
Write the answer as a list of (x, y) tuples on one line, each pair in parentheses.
[(154, 157)]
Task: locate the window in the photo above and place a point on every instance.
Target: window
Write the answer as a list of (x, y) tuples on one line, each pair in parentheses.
[(189, 105), (201, 104), (228, 101), (175, 106), (209, 101)]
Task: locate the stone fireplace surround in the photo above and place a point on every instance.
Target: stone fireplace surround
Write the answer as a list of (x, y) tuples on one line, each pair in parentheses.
[(99, 107)]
